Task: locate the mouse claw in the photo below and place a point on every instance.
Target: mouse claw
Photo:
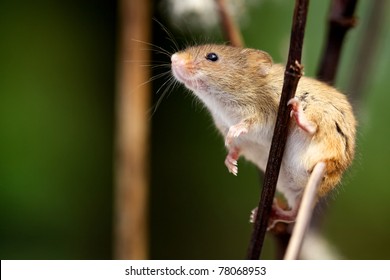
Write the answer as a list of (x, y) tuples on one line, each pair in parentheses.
[(300, 117), (232, 166), (231, 161), (252, 217)]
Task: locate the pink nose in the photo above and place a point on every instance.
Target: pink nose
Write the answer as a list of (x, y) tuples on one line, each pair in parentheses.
[(178, 59), (179, 67), (174, 58)]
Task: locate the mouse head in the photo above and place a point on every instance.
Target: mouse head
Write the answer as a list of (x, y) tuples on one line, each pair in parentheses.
[(220, 69)]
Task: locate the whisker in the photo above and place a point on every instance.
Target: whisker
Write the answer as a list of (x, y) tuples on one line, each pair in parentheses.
[(155, 48), (171, 83), (151, 63), (155, 77), (171, 38), (160, 66), (170, 79), (167, 73)]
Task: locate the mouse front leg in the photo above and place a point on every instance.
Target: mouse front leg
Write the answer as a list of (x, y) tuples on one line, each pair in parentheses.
[(236, 130), (300, 117), (233, 133)]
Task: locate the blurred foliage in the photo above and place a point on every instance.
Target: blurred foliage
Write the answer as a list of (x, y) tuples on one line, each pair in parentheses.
[(56, 123), (57, 86)]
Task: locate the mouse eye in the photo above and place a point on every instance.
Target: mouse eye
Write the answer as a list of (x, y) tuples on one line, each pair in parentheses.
[(212, 57)]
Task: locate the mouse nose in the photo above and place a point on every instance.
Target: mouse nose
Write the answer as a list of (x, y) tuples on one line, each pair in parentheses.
[(175, 59), (179, 63), (180, 59), (180, 67)]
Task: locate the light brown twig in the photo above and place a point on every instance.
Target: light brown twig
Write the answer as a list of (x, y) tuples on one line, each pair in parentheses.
[(131, 162), (305, 212), (231, 31)]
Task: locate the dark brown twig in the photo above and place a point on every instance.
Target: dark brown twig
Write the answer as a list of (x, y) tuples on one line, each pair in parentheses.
[(230, 29), (341, 19), (367, 48), (292, 75)]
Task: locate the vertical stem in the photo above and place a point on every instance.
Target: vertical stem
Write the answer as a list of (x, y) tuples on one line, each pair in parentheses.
[(292, 75), (230, 29), (305, 211), (368, 48), (131, 162), (341, 19)]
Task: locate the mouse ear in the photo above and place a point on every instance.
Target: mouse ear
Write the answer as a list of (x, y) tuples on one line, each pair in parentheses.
[(260, 60)]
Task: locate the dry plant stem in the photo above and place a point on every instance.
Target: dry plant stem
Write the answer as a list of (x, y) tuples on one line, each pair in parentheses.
[(305, 212), (292, 75), (367, 49), (341, 19), (282, 238), (131, 162), (230, 29)]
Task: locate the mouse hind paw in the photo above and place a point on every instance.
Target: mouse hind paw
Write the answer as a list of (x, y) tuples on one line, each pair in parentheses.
[(300, 117), (277, 215)]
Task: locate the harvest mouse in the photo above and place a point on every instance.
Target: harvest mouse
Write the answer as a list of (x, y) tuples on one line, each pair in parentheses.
[(241, 88)]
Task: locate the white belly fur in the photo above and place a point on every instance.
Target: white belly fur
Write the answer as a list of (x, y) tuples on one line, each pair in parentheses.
[(293, 174)]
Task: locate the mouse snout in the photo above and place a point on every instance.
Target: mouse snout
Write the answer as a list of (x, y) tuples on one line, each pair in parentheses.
[(184, 69), (175, 58), (181, 66), (179, 59)]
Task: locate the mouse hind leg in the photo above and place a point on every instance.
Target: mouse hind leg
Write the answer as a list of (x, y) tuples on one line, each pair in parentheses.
[(283, 211), (300, 118), (279, 214)]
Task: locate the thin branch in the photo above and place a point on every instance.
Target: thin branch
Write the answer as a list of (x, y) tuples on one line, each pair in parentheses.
[(131, 162), (230, 29), (305, 211), (341, 19), (282, 234), (292, 75), (367, 49)]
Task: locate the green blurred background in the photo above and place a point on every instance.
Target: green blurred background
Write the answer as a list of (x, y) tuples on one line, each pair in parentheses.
[(57, 92)]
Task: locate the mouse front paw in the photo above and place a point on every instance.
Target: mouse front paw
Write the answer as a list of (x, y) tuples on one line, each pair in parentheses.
[(231, 160), (234, 132)]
